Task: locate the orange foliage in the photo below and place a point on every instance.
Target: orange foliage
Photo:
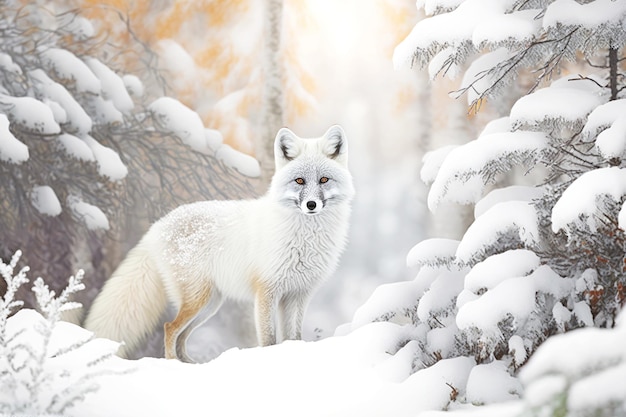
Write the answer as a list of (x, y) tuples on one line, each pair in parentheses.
[(210, 31)]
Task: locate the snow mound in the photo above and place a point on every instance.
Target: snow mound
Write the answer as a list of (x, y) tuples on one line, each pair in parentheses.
[(432, 252), (11, 148), (29, 114), (109, 163), (510, 193), (500, 267), (462, 177), (176, 118), (579, 202), (240, 162), (71, 70), (45, 200), (602, 117), (512, 217), (89, 214), (76, 119), (549, 105), (76, 147)]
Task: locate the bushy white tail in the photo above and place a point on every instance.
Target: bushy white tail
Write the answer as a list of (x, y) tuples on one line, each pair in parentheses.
[(130, 303)]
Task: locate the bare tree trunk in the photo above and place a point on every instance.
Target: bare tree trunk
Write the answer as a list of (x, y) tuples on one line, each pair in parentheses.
[(613, 60), (272, 104)]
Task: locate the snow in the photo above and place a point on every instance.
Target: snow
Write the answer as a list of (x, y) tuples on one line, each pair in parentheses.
[(71, 70), (446, 29), (478, 77), (513, 296), (573, 354), (45, 200), (435, 6), (240, 162), (174, 117), (11, 148), (581, 197), (133, 85), (510, 193), (544, 390), (389, 301), (80, 27), (602, 117), (569, 105), (500, 267), (491, 382), (590, 16), (7, 64), (76, 147), (520, 26), (214, 138), (113, 87), (432, 251), (612, 142), (518, 217), (502, 124), (109, 163), (621, 217), (444, 61), (465, 163), (517, 349), (598, 390), (337, 376), (29, 114), (440, 295), (76, 119), (89, 214), (432, 161)]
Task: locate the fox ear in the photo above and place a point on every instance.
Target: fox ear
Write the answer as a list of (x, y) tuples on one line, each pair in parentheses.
[(336, 144), (286, 147)]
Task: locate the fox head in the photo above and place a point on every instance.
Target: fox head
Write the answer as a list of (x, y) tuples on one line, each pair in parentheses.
[(312, 174)]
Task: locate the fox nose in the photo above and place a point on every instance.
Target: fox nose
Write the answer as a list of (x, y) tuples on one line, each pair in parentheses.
[(311, 205)]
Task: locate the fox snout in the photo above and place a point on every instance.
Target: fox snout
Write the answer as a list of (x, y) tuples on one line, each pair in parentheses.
[(312, 207)]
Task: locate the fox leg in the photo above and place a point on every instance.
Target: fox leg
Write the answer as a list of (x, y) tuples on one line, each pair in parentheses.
[(189, 309), (265, 315), (208, 311), (292, 307)]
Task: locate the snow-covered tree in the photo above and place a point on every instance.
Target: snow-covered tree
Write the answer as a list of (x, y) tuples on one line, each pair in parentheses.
[(537, 260), (84, 147)]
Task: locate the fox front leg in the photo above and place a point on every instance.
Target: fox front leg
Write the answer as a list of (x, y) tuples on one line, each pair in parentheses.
[(265, 306), (292, 307)]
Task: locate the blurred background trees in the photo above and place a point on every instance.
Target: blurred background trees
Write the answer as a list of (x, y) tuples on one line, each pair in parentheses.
[(86, 162)]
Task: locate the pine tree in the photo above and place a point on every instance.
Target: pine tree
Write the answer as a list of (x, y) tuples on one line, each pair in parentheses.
[(537, 260)]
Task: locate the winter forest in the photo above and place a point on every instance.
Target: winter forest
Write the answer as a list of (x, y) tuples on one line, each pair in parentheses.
[(485, 270)]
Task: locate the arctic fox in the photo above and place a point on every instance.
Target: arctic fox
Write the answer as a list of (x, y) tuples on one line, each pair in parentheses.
[(273, 251)]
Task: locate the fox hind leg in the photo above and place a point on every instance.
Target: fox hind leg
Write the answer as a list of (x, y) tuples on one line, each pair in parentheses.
[(208, 311), (190, 308)]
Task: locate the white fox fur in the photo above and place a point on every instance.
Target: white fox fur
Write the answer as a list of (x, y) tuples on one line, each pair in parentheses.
[(274, 251)]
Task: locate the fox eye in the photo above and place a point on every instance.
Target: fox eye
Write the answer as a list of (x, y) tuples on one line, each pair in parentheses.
[(323, 180), (300, 181)]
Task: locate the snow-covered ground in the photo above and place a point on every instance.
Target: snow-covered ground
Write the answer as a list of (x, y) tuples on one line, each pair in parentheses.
[(355, 374)]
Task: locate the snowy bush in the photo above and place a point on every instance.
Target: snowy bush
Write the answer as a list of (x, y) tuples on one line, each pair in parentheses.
[(86, 149), (36, 349), (541, 259)]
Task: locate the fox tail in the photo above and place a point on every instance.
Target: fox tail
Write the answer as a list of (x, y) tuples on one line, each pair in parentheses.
[(131, 302)]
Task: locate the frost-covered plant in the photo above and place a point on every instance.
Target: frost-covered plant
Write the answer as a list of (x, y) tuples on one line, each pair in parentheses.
[(35, 349), (538, 260)]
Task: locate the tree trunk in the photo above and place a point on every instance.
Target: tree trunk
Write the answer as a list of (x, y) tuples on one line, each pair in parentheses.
[(272, 101), (613, 60)]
